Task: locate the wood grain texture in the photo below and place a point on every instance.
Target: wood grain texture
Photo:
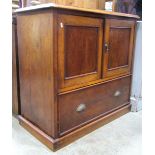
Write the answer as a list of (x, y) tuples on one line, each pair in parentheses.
[(35, 39), (101, 4), (35, 131), (71, 137), (119, 47), (81, 46), (119, 36), (69, 84), (91, 84), (71, 8), (79, 50), (15, 83), (56, 144), (98, 101)]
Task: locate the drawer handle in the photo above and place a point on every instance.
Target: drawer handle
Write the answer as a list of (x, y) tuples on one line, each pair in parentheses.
[(81, 108), (35, 2), (117, 93)]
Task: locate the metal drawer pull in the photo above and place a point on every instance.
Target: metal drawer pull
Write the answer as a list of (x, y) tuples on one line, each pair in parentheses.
[(81, 108), (117, 93), (35, 2)]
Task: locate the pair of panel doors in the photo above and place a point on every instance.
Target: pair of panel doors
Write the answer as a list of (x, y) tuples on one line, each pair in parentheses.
[(92, 49)]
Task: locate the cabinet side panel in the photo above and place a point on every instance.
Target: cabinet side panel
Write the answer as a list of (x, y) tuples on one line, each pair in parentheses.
[(15, 102), (35, 39)]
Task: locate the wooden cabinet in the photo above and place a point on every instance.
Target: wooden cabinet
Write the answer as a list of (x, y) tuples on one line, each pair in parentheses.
[(75, 70), (79, 49), (118, 47)]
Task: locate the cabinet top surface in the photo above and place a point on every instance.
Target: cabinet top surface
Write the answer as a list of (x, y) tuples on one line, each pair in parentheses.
[(52, 5)]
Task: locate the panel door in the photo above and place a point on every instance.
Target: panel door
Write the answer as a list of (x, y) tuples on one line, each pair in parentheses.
[(79, 50), (118, 47)]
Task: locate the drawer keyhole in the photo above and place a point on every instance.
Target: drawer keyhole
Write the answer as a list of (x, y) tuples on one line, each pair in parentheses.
[(81, 108)]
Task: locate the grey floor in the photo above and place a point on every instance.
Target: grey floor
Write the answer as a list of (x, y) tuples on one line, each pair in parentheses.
[(120, 137)]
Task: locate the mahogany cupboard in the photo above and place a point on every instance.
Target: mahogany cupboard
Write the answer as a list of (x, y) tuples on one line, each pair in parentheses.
[(75, 69)]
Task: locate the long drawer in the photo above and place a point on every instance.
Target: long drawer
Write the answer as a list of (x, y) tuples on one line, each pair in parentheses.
[(83, 106)]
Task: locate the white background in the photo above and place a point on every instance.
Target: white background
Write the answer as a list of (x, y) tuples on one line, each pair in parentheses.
[(5, 77)]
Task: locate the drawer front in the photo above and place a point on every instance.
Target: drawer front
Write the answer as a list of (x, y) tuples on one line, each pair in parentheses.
[(82, 106)]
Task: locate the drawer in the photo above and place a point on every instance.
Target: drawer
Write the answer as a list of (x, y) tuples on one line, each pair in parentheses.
[(83, 106)]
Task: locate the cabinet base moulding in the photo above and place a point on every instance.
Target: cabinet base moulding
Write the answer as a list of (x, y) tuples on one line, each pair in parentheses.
[(56, 144)]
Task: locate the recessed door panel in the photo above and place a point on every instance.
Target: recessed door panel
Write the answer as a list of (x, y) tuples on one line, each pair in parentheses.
[(79, 50), (118, 47)]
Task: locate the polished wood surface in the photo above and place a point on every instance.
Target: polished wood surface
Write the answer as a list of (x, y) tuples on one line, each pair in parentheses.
[(67, 139), (91, 84), (79, 49), (36, 69), (119, 47), (119, 38), (69, 84), (35, 131), (56, 144), (71, 8), (98, 101), (15, 84)]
